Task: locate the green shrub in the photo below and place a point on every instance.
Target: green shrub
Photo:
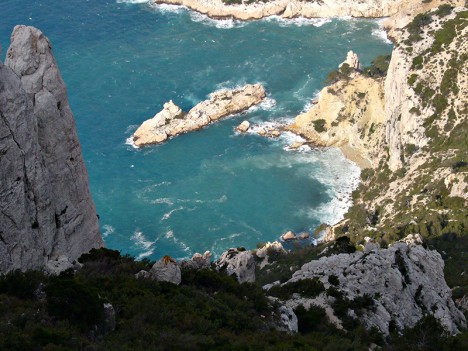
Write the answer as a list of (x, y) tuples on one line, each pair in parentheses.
[(70, 299), (320, 125), (21, 285), (304, 287)]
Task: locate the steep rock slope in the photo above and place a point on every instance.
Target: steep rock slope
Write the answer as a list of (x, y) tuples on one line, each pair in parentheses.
[(46, 207), (388, 288)]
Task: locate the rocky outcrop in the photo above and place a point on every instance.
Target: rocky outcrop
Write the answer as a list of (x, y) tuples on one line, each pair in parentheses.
[(288, 319), (165, 270), (171, 121), (198, 261), (352, 60), (46, 210), (349, 114), (402, 284), (298, 8), (238, 263)]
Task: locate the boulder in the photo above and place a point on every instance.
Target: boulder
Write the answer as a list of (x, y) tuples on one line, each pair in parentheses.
[(243, 127), (288, 319), (289, 235), (240, 264), (296, 145), (166, 270), (304, 235)]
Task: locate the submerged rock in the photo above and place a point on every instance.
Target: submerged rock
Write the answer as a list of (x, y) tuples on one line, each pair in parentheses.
[(171, 121), (240, 264), (46, 207)]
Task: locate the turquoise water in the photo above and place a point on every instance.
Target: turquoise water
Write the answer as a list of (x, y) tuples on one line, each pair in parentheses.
[(212, 189)]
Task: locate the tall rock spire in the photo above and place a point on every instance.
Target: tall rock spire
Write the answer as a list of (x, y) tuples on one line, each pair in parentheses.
[(46, 210)]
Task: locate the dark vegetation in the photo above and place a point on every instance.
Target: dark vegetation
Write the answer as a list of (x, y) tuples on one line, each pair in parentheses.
[(209, 310)]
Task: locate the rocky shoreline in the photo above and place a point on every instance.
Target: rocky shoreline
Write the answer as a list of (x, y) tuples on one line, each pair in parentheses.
[(400, 10)]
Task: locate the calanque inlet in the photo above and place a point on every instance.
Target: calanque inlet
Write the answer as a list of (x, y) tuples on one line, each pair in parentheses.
[(389, 276)]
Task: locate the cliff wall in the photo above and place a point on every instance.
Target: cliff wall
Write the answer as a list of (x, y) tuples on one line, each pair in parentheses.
[(46, 207)]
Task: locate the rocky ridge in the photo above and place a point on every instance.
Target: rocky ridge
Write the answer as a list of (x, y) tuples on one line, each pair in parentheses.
[(46, 208), (308, 9), (171, 121), (401, 285)]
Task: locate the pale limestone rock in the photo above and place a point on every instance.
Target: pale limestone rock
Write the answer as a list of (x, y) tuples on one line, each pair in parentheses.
[(352, 60), (288, 318), (240, 264), (268, 248), (289, 235), (296, 145), (150, 131), (198, 261), (413, 240), (57, 266), (46, 207), (297, 8), (304, 235), (165, 270), (406, 282), (171, 121), (243, 127)]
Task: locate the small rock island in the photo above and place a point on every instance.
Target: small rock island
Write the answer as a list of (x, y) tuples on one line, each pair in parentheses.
[(172, 121)]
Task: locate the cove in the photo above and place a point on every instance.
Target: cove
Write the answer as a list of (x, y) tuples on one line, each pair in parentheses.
[(212, 189)]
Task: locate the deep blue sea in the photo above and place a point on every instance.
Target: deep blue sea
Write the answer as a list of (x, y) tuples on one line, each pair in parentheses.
[(212, 189)]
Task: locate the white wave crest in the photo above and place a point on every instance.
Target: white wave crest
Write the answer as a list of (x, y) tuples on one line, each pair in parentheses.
[(298, 22), (141, 242), (218, 23), (108, 230), (132, 1), (168, 8)]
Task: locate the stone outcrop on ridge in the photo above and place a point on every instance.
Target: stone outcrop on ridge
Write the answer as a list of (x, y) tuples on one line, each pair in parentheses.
[(46, 210), (171, 121), (404, 282)]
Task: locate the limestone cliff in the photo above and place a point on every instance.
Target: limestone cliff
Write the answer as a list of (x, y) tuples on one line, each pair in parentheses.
[(384, 288), (45, 203), (249, 10), (349, 114)]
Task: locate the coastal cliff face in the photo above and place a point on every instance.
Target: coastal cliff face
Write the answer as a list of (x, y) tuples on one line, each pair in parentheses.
[(349, 114), (309, 9), (46, 208)]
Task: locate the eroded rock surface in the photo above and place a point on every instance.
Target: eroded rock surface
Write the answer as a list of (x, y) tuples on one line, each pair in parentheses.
[(240, 264), (405, 282), (46, 210), (171, 121)]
